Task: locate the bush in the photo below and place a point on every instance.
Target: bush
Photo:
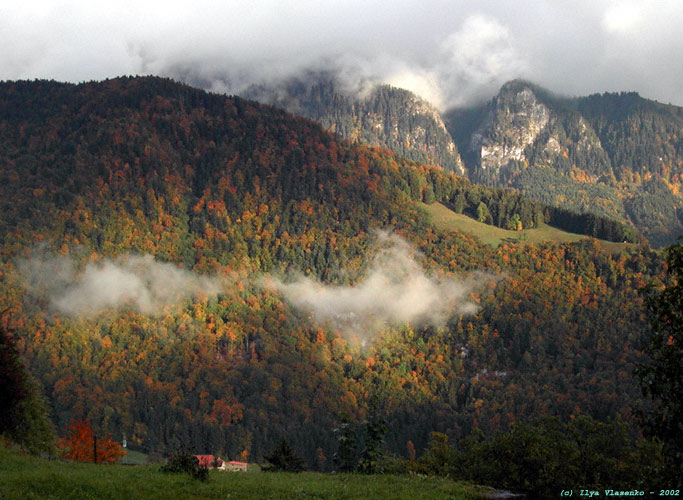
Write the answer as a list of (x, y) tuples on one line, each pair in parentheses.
[(185, 462)]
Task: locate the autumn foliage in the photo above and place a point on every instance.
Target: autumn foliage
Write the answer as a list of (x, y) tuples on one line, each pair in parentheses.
[(83, 445), (109, 169)]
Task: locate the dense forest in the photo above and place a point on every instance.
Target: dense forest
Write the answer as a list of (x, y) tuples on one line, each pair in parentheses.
[(211, 199)]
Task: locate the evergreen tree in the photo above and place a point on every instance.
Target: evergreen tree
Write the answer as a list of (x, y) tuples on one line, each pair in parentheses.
[(373, 452), (346, 458), (460, 203), (283, 458), (23, 417), (483, 214), (428, 197)]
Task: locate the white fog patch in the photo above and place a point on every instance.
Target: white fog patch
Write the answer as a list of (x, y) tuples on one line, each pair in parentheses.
[(471, 64), (137, 282), (424, 83), (622, 18), (395, 290), (477, 59)]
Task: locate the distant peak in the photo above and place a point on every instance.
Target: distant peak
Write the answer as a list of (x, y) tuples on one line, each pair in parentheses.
[(518, 85)]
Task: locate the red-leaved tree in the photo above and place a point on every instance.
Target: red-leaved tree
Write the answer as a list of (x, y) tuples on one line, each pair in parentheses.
[(83, 445)]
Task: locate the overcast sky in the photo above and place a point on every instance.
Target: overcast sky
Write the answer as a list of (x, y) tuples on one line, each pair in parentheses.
[(450, 52)]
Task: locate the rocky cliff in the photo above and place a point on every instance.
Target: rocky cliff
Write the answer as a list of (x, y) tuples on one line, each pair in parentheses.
[(616, 155), (381, 115)]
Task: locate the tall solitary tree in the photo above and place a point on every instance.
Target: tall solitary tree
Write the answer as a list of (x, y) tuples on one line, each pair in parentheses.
[(346, 457), (483, 213), (373, 453), (84, 446)]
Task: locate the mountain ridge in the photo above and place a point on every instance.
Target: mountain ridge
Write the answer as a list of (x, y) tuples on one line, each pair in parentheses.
[(605, 154), (380, 115), (582, 154)]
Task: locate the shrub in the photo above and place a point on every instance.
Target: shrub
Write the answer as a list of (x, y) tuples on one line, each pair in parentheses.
[(185, 462)]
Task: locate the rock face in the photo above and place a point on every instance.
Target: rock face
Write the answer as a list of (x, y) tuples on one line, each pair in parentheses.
[(525, 127), (382, 115), (606, 154), (514, 121)]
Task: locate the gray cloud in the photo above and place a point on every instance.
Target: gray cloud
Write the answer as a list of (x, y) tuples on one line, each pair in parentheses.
[(449, 52), (395, 290), (135, 282)]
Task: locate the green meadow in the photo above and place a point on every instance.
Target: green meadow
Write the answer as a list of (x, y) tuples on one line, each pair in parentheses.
[(443, 218), (26, 477)]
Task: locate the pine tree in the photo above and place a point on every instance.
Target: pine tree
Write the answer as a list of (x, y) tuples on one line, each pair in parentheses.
[(373, 453), (483, 214), (346, 458), (283, 458)]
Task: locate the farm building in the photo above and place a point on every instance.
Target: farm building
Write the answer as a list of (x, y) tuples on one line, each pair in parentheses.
[(234, 466), (210, 462)]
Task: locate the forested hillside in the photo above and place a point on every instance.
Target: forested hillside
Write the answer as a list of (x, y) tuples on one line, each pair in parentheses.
[(221, 207)]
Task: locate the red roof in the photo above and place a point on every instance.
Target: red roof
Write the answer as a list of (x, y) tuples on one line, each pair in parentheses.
[(232, 462)]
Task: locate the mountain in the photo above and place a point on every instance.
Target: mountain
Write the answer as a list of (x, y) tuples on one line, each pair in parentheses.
[(524, 126), (613, 155), (617, 155), (187, 269), (381, 115)]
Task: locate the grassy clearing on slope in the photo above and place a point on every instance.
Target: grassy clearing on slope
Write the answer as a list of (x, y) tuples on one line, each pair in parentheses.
[(31, 478), (445, 219)]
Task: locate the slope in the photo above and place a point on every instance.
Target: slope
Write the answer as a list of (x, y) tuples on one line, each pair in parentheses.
[(104, 173), (446, 219), (612, 155), (39, 478)]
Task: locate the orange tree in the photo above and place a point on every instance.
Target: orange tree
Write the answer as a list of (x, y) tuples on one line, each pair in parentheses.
[(84, 446)]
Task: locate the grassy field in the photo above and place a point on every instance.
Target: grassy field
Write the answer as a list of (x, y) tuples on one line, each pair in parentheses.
[(445, 219), (133, 458), (31, 478)]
